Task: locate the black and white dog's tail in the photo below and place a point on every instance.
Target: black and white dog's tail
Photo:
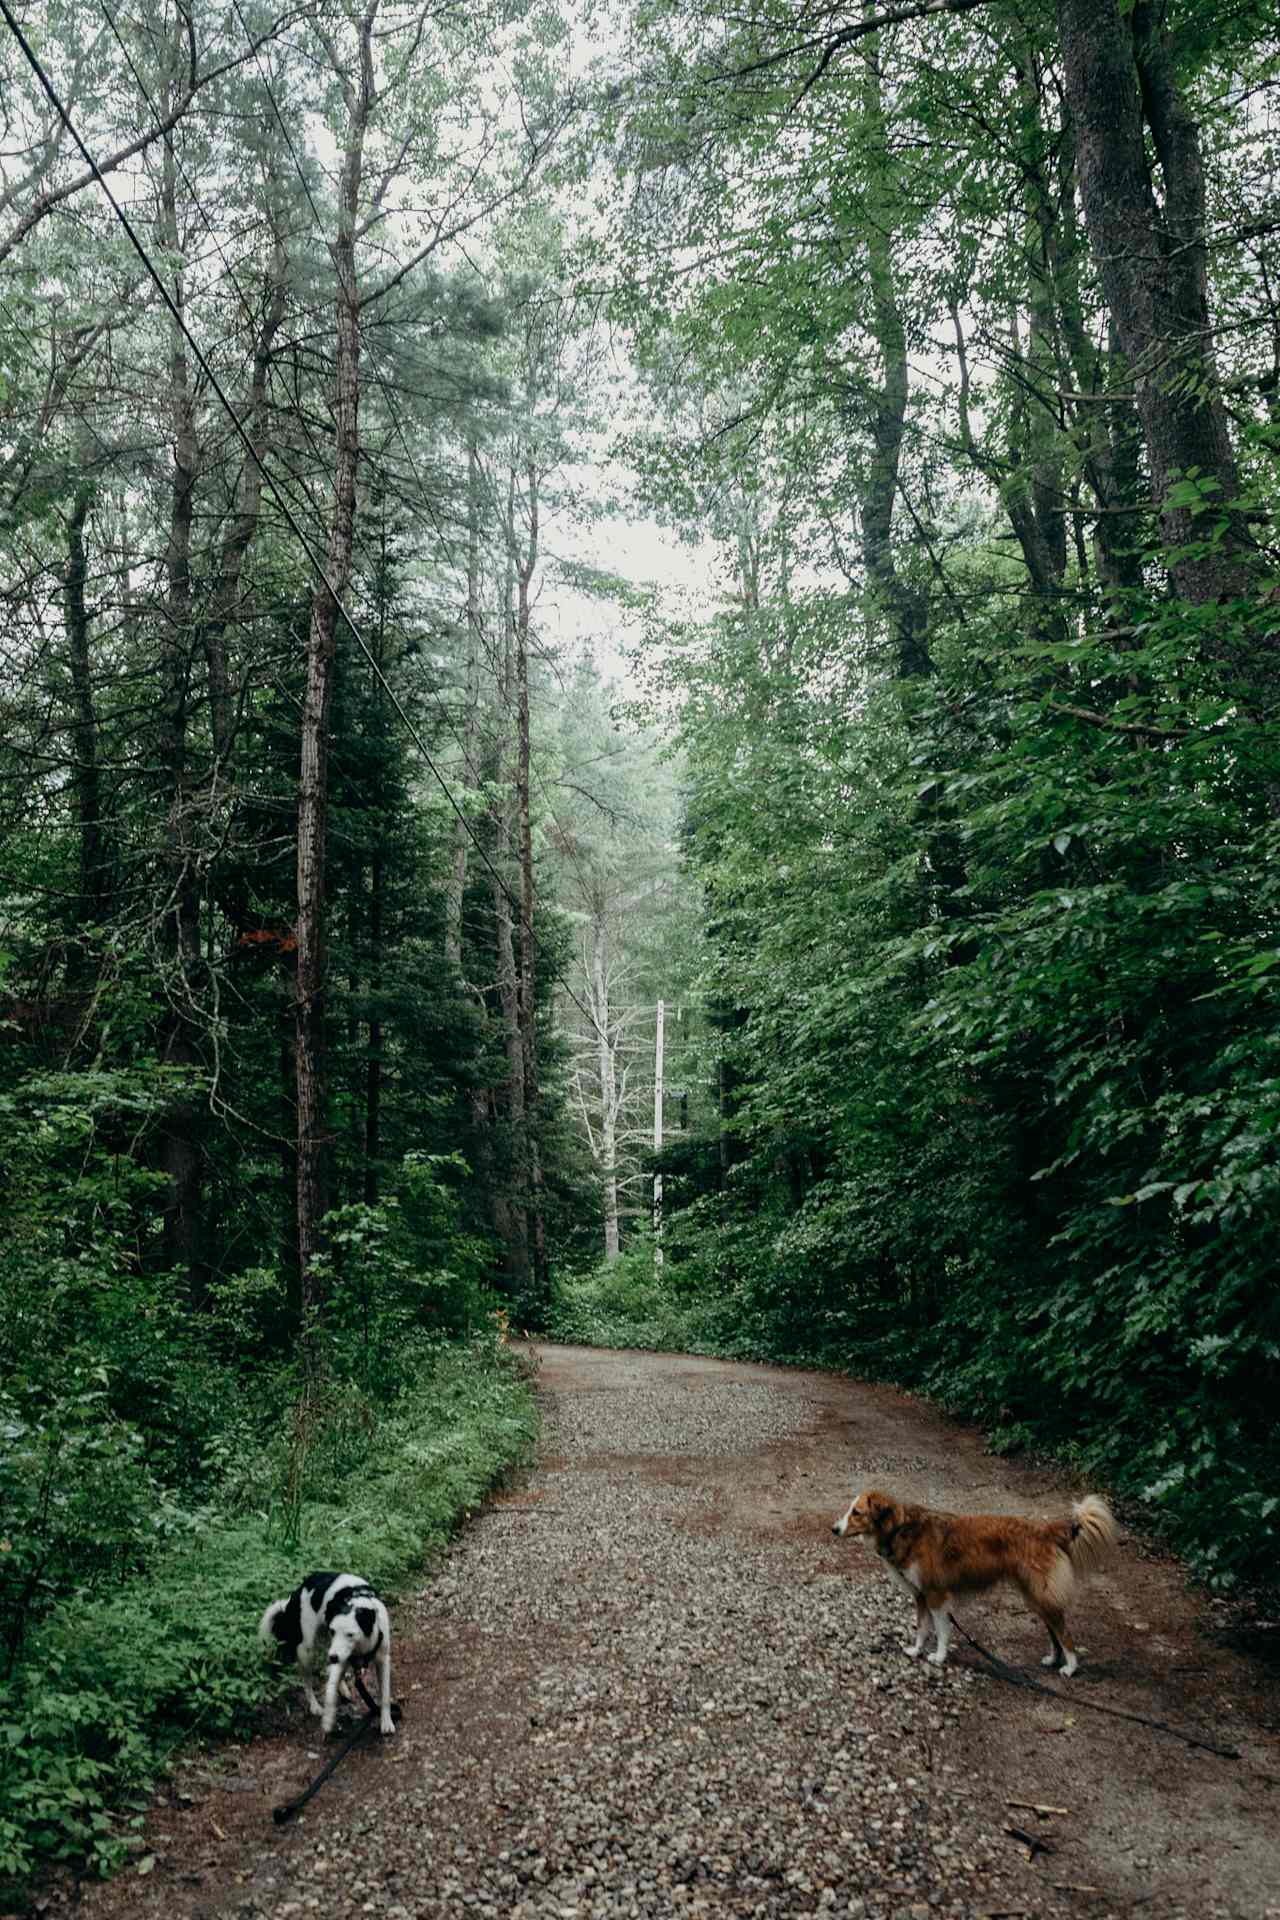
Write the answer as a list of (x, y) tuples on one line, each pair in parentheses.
[(267, 1627)]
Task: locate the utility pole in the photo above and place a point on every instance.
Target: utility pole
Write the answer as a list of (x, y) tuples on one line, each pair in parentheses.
[(657, 1134)]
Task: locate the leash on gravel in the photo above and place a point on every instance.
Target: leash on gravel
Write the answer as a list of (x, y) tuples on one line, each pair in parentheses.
[(1015, 1679), (287, 1810)]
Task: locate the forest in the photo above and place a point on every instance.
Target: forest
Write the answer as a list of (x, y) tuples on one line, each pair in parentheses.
[(638, 692)]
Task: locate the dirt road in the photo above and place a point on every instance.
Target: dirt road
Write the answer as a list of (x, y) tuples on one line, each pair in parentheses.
[(647, 1681)]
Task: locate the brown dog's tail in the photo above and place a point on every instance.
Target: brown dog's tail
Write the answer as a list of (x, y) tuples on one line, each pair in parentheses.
[(1082, 1543), (1093, 1533)]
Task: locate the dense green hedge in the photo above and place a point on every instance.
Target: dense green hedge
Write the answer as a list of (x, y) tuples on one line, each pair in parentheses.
[(112, 1680), (994, 981), (1216, 1502)]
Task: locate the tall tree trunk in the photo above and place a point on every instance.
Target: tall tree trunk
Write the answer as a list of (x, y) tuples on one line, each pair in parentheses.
[(530, 1152), (85, 780), (1151, 262), (180, 1150), (608, 1087), (511, 1212), (288, 1135), (1037, 483), (510, 1199), (244, 521), (904, 606), (373, 1058), (1107, 430), (458, 870), (371, 1143), (313, 803)]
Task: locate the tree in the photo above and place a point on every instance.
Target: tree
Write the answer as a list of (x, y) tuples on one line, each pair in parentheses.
[(961, 302), (360, 97)]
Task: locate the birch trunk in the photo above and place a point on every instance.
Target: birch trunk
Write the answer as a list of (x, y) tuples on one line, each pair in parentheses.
[(608, 1088)]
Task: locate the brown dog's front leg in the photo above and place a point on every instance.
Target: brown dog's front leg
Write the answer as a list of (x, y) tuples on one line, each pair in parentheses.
[(922, 1628)]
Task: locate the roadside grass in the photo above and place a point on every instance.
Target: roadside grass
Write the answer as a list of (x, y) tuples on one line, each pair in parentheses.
[(1218, 1513), (112, 1683), (633, 1303)]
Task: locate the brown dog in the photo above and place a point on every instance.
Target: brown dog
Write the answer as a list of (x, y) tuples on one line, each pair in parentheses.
[(940, 1554)]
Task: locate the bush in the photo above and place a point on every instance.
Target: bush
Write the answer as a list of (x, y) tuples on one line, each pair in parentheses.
[(111, 1681), (631, 1302), (998, 994)]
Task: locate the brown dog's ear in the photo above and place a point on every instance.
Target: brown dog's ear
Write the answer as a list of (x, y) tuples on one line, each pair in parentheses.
[(879, 1508)]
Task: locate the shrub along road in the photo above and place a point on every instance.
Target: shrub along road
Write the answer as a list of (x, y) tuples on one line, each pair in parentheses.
[(647, 1681)]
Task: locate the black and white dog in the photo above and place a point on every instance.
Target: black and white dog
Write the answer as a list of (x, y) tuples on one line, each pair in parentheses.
[(335, 1620)]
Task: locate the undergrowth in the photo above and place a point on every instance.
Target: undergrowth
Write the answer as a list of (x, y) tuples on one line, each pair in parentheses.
[(1170, 1462), (114, 1678), (631, 1302)]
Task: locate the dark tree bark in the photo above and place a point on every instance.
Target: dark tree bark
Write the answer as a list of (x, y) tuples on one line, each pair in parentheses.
[(1151, 261), (531, 1162), (313, 793), (180, 1143), (461, 840), (1107, 430), (510, 1206), (243, 523), (85, 776), (904, 605), (373, 1057), (1039, 481)]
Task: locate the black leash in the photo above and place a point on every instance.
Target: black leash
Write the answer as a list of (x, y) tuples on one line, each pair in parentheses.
[(1016, 1679), (287, 1810)]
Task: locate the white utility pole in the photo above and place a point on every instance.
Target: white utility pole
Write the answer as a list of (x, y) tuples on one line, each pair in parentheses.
[(657, 1134)]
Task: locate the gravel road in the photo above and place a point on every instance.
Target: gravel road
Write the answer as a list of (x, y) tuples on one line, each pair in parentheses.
[(648, 1682)]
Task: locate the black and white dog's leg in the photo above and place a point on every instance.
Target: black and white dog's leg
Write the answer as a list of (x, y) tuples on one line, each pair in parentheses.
[(386, 1723), (306, 1668), (339, 1658)]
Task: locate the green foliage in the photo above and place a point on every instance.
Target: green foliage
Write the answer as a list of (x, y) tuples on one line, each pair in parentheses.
[(631, 1302), (82, 1509), (1005, 1050), (154, 1496), (118, 1673)]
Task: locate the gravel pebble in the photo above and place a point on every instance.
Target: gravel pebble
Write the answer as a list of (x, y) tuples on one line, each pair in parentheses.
[(662, 1715)]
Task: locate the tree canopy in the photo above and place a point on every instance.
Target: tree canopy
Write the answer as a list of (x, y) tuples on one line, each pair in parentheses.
[(368, 828)]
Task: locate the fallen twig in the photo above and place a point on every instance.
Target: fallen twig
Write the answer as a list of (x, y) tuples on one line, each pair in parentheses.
[(1033, 1806), (1031, 1842)]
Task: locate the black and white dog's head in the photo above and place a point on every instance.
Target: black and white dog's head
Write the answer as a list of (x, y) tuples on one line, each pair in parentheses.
[(334, 1619)]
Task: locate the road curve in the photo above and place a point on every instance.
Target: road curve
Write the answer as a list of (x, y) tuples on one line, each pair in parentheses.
[(646, 1681)]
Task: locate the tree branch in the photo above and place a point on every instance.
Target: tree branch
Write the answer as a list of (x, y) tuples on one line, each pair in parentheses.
[(56, 195), (827, 47)]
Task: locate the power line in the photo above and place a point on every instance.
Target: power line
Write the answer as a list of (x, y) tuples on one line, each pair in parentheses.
[(65, 117)]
